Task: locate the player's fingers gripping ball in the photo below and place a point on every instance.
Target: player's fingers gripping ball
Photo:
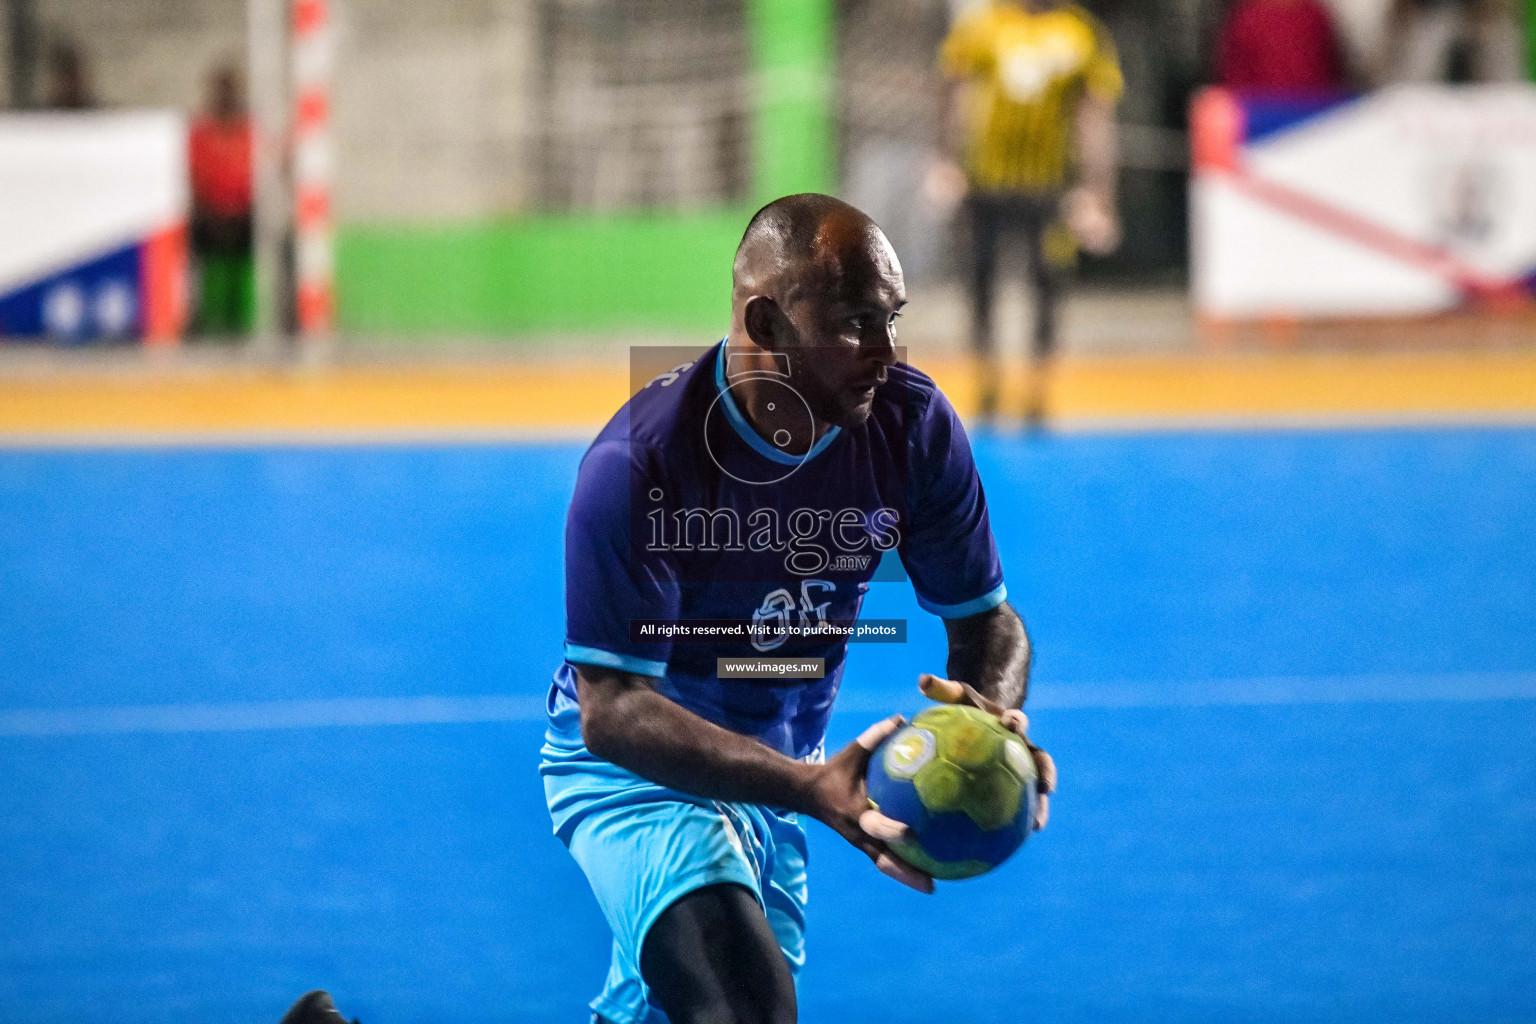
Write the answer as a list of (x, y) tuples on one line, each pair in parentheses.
[(963, 782)]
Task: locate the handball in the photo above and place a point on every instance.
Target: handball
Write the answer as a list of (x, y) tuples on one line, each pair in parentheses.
[(963, 782)]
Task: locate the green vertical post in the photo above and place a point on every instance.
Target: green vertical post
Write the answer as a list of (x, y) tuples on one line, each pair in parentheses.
[(791, 43), (1530, 38)]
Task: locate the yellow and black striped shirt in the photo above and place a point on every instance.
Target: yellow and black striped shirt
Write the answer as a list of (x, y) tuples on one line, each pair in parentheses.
[(1029, 70)]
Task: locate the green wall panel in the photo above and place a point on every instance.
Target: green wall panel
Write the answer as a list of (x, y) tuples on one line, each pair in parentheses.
[(792, 65), (664, 272), (540, 274), (1530, 37)]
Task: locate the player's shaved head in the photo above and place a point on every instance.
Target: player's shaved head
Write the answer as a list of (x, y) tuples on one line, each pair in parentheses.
[(804, 241), (817, 286)]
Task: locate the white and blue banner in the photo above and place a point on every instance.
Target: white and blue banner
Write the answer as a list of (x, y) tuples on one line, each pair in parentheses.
[(93, 215), (1413, 200)]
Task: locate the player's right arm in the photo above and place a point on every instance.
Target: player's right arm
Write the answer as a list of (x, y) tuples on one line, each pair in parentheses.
[(626, 722)]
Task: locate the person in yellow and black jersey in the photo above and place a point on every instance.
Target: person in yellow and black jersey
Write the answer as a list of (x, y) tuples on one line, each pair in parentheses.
[(1039, 81)]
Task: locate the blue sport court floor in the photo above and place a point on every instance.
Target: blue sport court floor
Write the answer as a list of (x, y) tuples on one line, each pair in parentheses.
[(269, 721)]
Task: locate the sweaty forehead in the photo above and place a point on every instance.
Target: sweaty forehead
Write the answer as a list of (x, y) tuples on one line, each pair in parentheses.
[(841, 233), (849, 257)]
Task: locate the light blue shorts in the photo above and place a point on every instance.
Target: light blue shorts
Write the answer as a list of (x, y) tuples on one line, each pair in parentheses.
[(644, 846)]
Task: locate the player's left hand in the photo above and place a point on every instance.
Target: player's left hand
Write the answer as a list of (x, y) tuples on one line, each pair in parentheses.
[(944, 186), (948, 691), (1091, 219)]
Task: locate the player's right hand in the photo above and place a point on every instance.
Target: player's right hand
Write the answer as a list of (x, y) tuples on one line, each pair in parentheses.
[(840, 800)]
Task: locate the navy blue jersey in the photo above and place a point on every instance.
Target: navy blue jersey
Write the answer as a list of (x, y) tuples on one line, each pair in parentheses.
[(683, 512)]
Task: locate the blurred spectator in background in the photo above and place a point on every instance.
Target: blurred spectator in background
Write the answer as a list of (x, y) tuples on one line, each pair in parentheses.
[(1043, 81), (69, 79), (221, 207), (1280, 46), (1454, 41)]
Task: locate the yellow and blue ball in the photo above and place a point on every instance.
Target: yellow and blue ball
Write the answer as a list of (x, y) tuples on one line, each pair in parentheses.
[(963, 782)]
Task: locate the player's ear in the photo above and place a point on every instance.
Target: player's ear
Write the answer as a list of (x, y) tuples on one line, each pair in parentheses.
[(765, 323)]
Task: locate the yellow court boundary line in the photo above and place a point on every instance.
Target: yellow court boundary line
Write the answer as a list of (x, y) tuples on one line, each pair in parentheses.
[(561, 400)]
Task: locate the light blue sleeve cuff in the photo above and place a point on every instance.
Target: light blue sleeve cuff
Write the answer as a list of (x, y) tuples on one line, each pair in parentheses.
[(578, 655), (985, 603)]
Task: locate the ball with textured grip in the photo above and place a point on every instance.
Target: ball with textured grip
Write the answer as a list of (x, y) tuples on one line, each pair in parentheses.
[(963, 782)]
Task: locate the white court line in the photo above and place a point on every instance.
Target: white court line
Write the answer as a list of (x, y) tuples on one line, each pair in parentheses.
[(1256, 692), (1292, 422), (345, 712), (409, 437), (317, 437), (274, 714)]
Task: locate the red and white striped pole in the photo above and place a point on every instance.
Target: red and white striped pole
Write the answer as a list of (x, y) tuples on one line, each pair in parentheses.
[(312, 166)]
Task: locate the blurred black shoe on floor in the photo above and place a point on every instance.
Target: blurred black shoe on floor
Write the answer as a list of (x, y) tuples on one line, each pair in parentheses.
[(314, 1008)]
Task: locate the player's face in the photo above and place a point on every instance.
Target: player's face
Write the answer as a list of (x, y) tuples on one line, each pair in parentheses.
[(847, 332)]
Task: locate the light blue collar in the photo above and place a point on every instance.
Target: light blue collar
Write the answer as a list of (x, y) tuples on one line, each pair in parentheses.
[(753, 439)]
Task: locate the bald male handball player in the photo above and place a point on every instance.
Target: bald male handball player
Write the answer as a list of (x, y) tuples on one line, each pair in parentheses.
[(760, 483)]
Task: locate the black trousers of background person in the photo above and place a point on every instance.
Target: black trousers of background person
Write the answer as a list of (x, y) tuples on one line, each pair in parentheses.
[(1027, 215)]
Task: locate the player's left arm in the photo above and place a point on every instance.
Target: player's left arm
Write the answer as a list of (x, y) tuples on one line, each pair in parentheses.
[(951, 557), (1098, 146), (988, 668), (991, 652), (963, 57), (1090, 206)]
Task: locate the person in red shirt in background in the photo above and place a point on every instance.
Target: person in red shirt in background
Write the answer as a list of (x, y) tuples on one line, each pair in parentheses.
[(220, 154), (1280, 46)]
